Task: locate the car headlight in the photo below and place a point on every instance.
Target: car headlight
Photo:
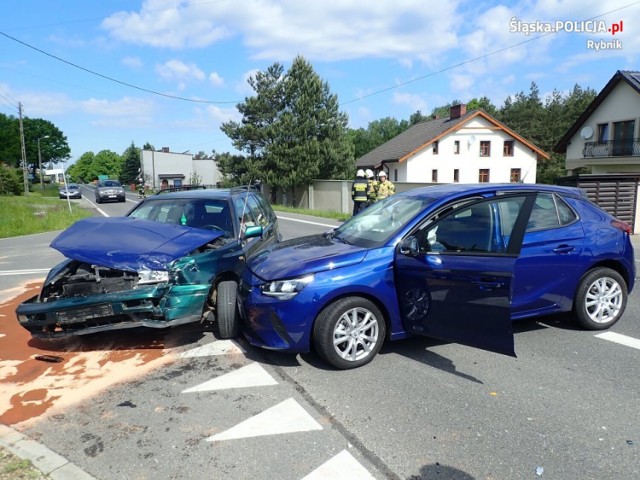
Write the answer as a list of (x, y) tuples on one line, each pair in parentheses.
[(285, 289), (152, 276)]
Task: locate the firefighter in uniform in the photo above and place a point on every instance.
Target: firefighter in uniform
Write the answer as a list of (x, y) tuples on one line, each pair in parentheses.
[(359, 192), (372, 189), (385, 187)]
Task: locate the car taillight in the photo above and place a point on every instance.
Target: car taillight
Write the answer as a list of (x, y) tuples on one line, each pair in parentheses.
[(620, 225)]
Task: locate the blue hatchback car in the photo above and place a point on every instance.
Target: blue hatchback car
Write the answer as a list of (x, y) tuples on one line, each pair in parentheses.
[(454, 262)]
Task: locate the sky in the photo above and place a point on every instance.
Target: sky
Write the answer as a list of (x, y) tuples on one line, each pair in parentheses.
[(170, 72)]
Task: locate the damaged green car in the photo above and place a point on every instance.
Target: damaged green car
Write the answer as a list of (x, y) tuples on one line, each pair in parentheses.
[(175, 258)]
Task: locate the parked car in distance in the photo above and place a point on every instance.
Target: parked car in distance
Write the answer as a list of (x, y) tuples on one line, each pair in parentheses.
[(72, 190), (109, 190), (455, 262), (175, 258)]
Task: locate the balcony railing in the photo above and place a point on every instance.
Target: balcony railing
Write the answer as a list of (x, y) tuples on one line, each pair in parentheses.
[(612, 148)]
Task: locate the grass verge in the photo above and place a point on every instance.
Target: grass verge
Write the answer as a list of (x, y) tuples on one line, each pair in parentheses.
[(14, 468), (36, 214)]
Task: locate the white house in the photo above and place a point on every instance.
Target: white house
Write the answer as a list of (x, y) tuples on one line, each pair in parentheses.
[(466, 147), (162, 169), (605, 141), (606, 137)]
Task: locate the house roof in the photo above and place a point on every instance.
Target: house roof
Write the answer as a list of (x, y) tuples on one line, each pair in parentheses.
[(423, 134), (633, 80)]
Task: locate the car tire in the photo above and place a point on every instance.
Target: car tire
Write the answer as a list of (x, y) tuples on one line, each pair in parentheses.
[(98, 200), (358, 323), (227, 309), (600, 299)]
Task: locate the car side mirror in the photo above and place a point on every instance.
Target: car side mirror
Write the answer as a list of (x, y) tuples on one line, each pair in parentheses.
[(409, 247), (253, 231)]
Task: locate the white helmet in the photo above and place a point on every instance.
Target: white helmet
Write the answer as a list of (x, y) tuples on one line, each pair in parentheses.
[(369, 173), (360, 173), (382, 174)]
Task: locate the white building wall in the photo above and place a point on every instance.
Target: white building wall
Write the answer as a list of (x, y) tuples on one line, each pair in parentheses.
[(622, 104), (207, 171), (156, 163), (468, 161)]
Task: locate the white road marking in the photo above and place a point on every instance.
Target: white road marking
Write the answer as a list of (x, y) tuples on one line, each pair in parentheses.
[(4, 273), (285, 417), (219, 347), (252, 375), (621, 339), (2, 335), (341, 467), (305, 221)]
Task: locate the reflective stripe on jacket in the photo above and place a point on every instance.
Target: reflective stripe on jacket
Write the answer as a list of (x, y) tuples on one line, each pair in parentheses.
[(359, 190)]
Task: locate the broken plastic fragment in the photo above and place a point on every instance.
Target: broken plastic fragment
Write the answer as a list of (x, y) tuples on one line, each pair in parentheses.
[(127, 403), (49, 358), (629, 442), (539, 471)]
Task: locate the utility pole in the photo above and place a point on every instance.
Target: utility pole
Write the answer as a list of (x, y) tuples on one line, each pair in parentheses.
[(25, 171)]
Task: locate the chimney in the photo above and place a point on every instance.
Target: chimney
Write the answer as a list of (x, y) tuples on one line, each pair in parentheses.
[(165, 149), (458, 110)]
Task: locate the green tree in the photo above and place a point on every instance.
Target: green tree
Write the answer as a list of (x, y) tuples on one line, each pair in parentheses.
[(130, 165), (10, 180), (291, 131), (53, 144), (482, 103), (235, 169)]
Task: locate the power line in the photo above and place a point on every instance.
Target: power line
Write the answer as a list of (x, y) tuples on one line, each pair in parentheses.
[(8, 101), (115, 80)]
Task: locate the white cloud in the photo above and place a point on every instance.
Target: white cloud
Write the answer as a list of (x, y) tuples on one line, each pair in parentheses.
[(221, 115), (179, 72), (243, 87), (125, 107), (45, 104), (280, 30), (215, 79), (415, 102)]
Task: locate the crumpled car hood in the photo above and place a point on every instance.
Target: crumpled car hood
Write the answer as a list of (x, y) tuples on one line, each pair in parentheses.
[(126, 243), (304, 255)]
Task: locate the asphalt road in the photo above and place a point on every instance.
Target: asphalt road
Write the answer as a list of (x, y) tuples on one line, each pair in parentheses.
[(183, 404)]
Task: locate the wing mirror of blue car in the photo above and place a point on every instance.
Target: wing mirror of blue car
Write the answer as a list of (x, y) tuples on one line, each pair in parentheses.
[(253, 231), (409, 247)]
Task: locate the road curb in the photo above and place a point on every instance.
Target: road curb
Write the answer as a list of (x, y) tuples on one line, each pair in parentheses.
[(44, 459)]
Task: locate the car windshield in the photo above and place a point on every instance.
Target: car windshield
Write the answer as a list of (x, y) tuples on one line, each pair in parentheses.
[(208, 214), (110, 183), (375, 225)]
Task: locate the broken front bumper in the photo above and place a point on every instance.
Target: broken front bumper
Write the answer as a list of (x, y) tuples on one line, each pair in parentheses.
[(152, 306)]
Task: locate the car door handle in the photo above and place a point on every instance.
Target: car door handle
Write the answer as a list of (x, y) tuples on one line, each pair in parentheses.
[(564, 249), (487, 285)]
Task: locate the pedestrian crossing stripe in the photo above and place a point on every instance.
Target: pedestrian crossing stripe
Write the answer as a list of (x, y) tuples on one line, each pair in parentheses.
[(219, 347), (285, 417), (341, 467), (252, 375)]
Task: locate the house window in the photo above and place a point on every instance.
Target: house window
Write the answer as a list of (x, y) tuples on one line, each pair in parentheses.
[(508, 148), (516, 175), (603, 132), (485, 148), (435, 147), (456, 147), (456, 175), (623, 137), (434, 175), (483, 175)]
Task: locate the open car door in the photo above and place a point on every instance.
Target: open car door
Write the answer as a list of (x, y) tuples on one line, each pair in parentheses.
[(454, 274)]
